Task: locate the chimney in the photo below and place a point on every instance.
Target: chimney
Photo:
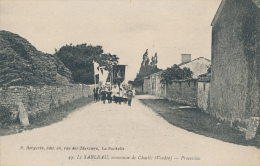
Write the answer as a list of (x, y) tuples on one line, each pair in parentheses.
[(185, 58)]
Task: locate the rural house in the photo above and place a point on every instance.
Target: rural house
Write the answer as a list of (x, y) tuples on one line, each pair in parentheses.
[(198, 66), (184, 91)]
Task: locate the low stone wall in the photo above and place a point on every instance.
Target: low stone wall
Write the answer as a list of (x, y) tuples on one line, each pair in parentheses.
[(183, 92), (39, 100)]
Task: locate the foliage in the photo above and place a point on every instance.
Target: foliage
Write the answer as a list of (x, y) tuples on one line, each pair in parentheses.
[(144, 72), (146, 59), (22, 64), (176, 73), (209, 70), (146, 68), (79, 59), (154, 60), (131, 82)]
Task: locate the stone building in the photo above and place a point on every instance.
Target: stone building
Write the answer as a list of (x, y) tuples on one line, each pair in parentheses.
[(235, 78), (153, 86), (146, 84), (198, 66)]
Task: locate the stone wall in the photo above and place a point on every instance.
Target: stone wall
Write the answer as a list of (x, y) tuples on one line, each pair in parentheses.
[(235, 85), (183, 92), (41, 99), (203, 96)]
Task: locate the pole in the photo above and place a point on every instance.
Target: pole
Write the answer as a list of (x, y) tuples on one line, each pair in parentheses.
[(111, 80), (94, 74), (112, 75)]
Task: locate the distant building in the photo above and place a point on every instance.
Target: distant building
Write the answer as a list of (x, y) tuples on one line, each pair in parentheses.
[(198, 66), (235, 68), (146, 84), (153, 86)]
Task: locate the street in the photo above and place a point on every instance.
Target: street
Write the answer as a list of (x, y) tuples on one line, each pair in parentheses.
[(113, 134)]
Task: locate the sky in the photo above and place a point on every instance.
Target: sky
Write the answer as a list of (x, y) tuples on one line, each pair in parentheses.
[(123, 27)]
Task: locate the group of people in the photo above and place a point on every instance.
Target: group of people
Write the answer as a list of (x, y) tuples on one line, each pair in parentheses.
[(113, 94)]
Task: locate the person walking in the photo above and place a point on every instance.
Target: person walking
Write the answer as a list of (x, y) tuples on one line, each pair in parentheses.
[(129, 95), (99, 93), (109, 96), (103, 95), (114, 93), (94, 92)]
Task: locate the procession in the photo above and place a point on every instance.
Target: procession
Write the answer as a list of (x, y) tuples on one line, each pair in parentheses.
[(130, 83), (114, 94), (111, 84)]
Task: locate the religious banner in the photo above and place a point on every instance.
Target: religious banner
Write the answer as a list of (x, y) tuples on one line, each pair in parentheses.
[(118, 74)]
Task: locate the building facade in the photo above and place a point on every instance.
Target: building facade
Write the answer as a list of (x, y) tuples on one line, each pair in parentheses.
[(235, 78), (198, 66)]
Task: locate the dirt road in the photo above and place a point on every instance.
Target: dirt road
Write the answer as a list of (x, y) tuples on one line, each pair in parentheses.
[(111, 134)]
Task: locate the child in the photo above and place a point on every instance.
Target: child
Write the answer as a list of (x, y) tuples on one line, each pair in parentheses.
[(109, 96), (129, 97), (103, 95)]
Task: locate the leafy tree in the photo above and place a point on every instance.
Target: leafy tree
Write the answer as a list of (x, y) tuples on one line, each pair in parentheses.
[(154, 60), (146, 69), (144, 72), (176, 73), (146, 59), (79, 59)]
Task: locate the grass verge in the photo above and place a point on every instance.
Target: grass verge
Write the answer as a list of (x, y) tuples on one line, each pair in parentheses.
[(194, 120), (55, 115)]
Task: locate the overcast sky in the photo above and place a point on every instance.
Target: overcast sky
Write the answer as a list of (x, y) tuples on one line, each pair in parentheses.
[(124, 28)]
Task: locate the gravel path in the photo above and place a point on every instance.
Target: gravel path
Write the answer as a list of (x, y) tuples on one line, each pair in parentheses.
[(130, 132)]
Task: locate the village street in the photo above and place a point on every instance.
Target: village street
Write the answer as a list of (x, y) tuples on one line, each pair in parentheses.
[(136, 132)]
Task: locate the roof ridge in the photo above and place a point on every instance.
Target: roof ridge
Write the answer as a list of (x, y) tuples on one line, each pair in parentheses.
[(194, 60)]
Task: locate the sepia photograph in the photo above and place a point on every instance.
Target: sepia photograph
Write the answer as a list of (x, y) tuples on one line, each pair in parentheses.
[(129, 83)]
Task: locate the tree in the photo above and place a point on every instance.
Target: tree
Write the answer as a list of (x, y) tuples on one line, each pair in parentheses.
[(175, 73), (146, 59), (79, 59), (154, 60), (146, 69)]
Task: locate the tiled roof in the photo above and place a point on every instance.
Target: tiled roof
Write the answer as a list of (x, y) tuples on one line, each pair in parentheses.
[(193, 60)]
